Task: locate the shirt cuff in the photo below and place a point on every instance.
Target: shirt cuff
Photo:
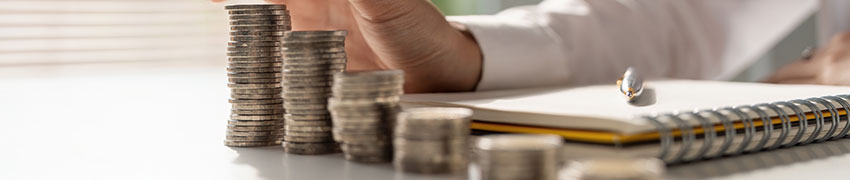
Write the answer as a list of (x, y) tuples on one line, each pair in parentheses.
[(516, 53)]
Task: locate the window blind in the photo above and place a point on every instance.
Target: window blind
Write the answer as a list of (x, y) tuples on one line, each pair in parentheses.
[(34, 32)]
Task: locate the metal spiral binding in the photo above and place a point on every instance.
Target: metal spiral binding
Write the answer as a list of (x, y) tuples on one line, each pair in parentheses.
[(667, 124)]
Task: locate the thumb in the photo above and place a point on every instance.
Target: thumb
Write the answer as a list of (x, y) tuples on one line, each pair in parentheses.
[(402, 32), (378, 11)]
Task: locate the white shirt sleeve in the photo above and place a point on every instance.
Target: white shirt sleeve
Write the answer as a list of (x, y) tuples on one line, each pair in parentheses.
[(579, 42)]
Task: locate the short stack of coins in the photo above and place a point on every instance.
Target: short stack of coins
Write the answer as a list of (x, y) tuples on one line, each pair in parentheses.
[(518, 157), (432, 140), (364, 108), (254, 74), (310, 60), (616, 169)]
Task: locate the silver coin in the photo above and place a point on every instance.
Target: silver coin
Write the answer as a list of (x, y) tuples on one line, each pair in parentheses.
[(307, 84), (258, 112), (349, 134), (249, 138), (255, 65), (362, 130), (254, 70), (361, 88), (307, 89), (317, 33), (314, 56), (308, 123), (253, 101), (307, 134), (371, 76), (255, 96), (253, 86), (291, 128), (306, 106), (326, 149), (255, 44), (369, 159), (247, 143), (255, 7), (253, 80), (306, 100), (308, 111), (251, 123), (256, 106), (312, 49), (260, 22), (361, 125), (256, 33), (298, 117), (254, 75), (261, 28), (307, 139), (375, 147), (296, 73), (363, 139), (243, 39), (306, 95), (255, 60), (256, 117), (319, 44), (250, 133), (251, 128), (258, 12), (333, 61), (309, 79), (268, 49), (329, 39), (296, 69), (296, 145), (365, 94), (284, 17)]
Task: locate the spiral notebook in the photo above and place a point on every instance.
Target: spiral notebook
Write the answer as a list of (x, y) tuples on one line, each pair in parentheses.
[(685, 120)]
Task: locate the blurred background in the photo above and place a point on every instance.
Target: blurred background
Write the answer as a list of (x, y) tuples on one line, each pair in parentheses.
[(51, 33)]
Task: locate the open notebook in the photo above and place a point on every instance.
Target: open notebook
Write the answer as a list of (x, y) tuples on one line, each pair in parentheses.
[(674, 121)]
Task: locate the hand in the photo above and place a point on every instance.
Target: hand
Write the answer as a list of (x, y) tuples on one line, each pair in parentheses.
[(828, 66), (411, 35)]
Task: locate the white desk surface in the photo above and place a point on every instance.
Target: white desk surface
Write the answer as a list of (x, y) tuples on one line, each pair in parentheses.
[(144, 121)]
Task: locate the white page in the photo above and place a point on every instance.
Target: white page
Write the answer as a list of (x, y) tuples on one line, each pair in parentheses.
[(603, 107)]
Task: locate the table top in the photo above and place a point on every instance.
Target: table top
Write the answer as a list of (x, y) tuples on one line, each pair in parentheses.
[(167, 121)]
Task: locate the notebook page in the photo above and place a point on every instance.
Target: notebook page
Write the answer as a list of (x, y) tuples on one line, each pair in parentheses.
[(603, 107)]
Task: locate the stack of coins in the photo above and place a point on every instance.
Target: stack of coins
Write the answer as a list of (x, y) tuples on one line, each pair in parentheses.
[(254, 74), (518, 156), (310, 60), (364, 108), (620, 168), (432, 140)]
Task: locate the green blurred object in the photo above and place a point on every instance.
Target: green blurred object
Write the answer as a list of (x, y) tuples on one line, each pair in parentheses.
[(456, 7)]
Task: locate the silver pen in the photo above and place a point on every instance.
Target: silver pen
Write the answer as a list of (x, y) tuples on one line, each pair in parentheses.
[(630, 84)]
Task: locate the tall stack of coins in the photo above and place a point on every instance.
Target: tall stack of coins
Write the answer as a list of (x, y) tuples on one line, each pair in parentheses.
[(518, 156), (310, 60), (432, 140), (364, 108), (254, 74)]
